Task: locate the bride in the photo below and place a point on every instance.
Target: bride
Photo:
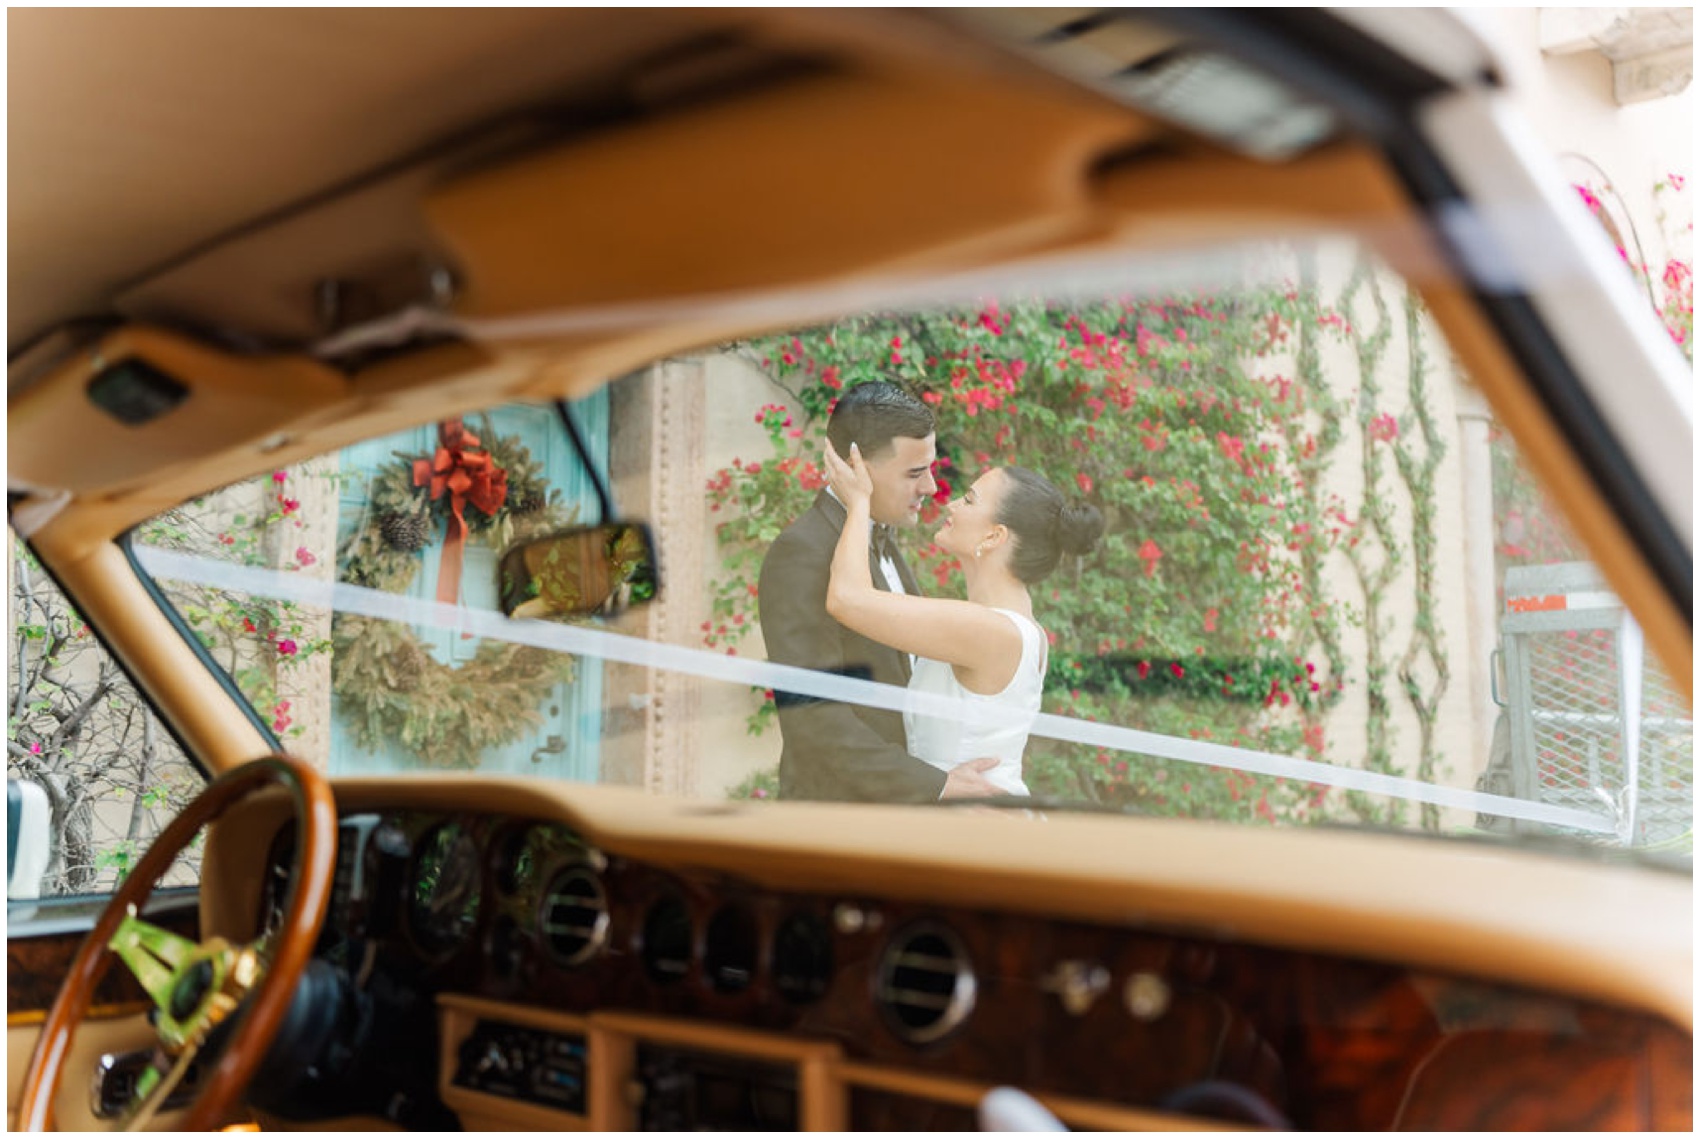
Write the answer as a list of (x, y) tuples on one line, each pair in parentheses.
[(1009, 530)]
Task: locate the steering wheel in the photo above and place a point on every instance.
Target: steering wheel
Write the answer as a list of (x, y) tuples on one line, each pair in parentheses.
[(198, 987)]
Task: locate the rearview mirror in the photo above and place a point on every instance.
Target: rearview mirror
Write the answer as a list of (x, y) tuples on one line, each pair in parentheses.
[(579, 572)]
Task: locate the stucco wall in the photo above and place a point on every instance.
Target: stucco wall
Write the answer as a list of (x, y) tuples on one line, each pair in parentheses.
[(1569, 101)]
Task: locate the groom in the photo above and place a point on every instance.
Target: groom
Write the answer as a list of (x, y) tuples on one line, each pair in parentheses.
[(846, 751)]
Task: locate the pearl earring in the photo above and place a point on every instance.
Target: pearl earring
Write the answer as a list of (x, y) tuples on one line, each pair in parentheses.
[(980, 550)]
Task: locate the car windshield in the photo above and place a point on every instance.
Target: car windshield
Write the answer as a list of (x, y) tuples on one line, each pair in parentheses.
[(1274, 562)]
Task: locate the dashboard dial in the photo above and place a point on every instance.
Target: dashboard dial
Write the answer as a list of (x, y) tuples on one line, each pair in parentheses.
[(442, 905)]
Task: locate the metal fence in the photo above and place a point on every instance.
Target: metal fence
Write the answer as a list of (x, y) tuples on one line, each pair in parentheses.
[(1595, 723)]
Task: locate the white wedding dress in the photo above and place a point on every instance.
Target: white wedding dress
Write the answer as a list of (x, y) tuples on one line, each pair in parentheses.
[(996, 724)]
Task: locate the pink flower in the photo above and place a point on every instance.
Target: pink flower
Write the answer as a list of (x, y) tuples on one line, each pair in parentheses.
[(759, 793), (280, 476), (287, 647), (290, 505), (35, 748), (1384, 429), (1677, 181), (1084, 481), (304, 556)]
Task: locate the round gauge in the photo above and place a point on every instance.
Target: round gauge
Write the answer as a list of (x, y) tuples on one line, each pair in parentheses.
[(442, 902)]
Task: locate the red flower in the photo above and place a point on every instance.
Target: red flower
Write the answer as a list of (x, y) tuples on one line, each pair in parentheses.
[(1084, 481), (1210, 616), (1384, 428), (1175, 667), (1150, 553), (1144, 669), (287, 648), (304, 556), (290, 505), (279, 476)]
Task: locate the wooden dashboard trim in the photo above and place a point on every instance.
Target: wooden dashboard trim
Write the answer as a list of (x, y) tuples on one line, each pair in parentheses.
[(612, 1039), (1362, 1019), (824, 1076), (1596, 932)]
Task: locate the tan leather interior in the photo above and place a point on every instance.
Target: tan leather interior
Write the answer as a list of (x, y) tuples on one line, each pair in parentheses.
[(97, 1037), (570, 216), (538, 234)]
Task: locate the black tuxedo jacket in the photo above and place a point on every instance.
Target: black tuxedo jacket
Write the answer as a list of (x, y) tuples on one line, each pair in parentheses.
[(833, 750)]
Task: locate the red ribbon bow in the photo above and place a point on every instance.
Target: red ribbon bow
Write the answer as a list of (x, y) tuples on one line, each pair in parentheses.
[(465, 475)]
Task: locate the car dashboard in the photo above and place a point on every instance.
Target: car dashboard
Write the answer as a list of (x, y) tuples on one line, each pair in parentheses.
[(545, 977)]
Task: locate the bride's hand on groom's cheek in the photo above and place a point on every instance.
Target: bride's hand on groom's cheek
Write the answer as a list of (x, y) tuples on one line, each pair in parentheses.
[(849, 478)]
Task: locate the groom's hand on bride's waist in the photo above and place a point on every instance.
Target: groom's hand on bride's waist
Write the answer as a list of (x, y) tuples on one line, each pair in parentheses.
[(968, 780)]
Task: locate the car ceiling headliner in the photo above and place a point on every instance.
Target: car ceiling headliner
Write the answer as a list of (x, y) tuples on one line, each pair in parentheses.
[(135, 135)]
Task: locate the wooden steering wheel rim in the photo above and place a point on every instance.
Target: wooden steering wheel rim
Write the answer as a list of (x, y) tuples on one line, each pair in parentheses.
[(315, 862)]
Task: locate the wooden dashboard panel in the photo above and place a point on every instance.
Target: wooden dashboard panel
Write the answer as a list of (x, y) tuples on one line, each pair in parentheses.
[(1163, 1023)]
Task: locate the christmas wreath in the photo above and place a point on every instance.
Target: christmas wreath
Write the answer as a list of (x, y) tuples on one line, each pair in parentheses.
[(388, 683)]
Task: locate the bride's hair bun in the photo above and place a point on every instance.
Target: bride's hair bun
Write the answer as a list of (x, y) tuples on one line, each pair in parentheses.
[(1078, 529), (1045, 526)]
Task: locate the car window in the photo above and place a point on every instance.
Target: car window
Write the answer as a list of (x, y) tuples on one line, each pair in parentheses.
[(88, 748), (1320, 586)]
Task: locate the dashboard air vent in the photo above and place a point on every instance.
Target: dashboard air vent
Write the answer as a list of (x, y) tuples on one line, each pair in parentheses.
[(575, 916), (926, 983)]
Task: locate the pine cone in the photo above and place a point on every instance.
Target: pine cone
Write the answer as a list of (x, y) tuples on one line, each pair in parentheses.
[(405, 532), (408, 664), (529, 500)]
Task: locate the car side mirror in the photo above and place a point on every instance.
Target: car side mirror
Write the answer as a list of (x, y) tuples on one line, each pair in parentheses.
[(29, 819), (587, 570)]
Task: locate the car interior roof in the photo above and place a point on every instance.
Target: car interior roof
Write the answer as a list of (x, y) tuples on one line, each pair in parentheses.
[(220, 124)]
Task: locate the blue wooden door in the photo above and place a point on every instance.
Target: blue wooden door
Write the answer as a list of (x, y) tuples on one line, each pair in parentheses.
[(566, 743)]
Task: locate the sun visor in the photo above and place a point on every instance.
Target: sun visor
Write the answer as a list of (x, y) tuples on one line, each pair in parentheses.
[(162, 401), (814, 180)]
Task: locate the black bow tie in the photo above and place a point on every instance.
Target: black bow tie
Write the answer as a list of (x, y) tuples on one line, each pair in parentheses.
[(884, 541)]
